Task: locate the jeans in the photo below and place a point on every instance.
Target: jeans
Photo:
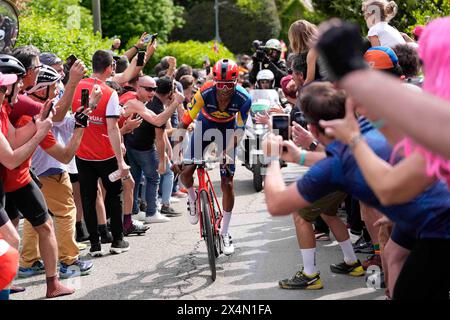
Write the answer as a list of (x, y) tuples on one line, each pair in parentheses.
[(166, 185), (146, 162)]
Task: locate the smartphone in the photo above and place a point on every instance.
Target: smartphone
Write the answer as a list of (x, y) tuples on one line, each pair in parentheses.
[(281, 126), (153, 37), (300, 119), (141, 57), (71, 60), (85, 98), (47, 113)]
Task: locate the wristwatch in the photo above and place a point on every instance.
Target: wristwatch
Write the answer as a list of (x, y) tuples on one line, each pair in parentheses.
[(313, 145)]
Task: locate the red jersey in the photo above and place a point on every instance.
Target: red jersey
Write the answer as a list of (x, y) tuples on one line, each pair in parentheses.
[(123, 99), (95, 144), (20, 176)]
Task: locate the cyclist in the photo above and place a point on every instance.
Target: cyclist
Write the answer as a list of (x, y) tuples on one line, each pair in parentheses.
[(222, 108)]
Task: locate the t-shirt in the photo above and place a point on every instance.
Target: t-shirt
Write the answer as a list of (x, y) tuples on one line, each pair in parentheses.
[(426, 216), (143, 137), (4, 123), (95, 144), (41, 161), (20, 176), (24, 106), (388, 35)]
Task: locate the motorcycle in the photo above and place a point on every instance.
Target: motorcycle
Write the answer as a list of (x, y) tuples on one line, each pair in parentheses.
[(250, 150)]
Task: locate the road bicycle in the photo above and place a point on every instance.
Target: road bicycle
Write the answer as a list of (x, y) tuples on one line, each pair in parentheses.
[(209, 211)]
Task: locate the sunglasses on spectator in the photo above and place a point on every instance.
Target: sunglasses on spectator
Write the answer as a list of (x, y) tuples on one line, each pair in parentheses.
[(149, 89), (225, 85), (36, 67), (265, 81)]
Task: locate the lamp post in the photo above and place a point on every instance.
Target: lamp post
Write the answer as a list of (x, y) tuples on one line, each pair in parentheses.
[(216, 8), (97, 17)]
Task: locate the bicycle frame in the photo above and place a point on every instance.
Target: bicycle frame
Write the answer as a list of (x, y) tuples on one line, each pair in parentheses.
[(206, 184)]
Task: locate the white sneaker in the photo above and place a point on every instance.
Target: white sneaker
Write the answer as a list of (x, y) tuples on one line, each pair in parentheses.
[(174, 200), (228, 247), (156, 218), (140, 216), (353, 237), (192, 208)]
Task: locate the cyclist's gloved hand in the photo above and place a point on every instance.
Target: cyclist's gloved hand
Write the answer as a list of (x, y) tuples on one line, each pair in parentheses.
[(341, 48)]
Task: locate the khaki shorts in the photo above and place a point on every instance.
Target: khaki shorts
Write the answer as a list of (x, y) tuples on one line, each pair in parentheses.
[(327, 205)]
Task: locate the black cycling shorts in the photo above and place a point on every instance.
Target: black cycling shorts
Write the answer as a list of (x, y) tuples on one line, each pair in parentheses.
[(73, 177), (30, 202)]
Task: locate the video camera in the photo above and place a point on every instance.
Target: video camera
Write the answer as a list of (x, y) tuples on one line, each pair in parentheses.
[(260, 50)]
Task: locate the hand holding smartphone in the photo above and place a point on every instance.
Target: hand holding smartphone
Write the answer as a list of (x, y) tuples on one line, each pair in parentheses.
[(140, 59), (85, 98), (71, 60), (281, 126)]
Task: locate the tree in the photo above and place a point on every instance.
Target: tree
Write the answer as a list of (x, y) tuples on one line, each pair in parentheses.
[(128, 18), (295, 10), (241, 22), (410, 12)]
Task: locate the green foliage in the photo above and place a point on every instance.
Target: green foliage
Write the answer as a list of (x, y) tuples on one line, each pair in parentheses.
[(191, 53), (51, 35), (67, 12), (410, 12), (129, 18), (239, 24), (295, 10)]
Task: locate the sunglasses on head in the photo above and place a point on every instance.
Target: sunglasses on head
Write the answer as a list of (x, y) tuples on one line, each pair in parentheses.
[(149, 89), (225, 85)]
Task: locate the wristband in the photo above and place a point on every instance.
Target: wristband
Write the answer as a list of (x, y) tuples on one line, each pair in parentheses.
[(354, 141), (136, 47), (302, 157)]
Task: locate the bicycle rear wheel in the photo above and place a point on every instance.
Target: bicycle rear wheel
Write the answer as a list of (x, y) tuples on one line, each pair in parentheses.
[(208, 233)]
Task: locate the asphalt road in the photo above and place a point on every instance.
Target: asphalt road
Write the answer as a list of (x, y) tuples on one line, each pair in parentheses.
[(170, 261)]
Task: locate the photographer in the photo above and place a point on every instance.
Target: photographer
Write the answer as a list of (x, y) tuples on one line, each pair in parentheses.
[(268, 57)]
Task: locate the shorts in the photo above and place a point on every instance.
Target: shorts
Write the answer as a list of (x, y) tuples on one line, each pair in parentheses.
[(28, 201), (3, 215), (73, 177), (403, 239), (328, 205), (207, 132)]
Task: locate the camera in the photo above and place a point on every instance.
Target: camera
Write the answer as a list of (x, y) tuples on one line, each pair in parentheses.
[(260, 54)]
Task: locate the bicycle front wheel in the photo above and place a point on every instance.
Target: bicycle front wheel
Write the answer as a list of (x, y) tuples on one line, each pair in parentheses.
[(208, 232)]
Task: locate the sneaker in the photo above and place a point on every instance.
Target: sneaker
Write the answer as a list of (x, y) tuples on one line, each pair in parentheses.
[(179, 194), (106, 237), (156, 218), (361, 246), (372, 260), (119, 246), (135, 228), (168, 211), (96, 250), (76, 269), (183, 190), (322, 236), (354, 237), (81, 246), (192, 208), (228, 247), (141, 216), (302, 281), (35, 269), (355, 269), (174, 200)]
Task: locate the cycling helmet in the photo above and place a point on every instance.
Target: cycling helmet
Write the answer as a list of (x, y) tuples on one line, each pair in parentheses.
[(47, 76), (225, 70), (9, 64), (273, 44)]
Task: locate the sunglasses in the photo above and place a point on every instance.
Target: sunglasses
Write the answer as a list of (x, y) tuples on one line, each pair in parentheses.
[(149, 89), (226, 85), (265, 81), (37, 67)]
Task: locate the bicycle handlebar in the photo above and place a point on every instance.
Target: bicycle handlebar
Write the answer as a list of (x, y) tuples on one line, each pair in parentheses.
[(201, 161)]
